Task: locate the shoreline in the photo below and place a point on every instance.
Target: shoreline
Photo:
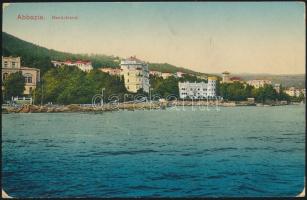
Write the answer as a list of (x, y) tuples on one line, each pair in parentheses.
[(72, 108)]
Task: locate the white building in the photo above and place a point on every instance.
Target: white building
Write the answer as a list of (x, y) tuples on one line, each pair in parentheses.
[(155, 73), (85, 66), (166, 75), (179, 74), (111, 71), (277, 87), (259, 83), (198, 90), (136, 74), (303, 92), (294, 92)]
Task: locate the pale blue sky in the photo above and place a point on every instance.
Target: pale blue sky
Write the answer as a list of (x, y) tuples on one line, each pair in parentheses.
[(208, 37)]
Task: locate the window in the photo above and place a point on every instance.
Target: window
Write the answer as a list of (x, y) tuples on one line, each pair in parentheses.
[(13, 64), (128, 80), (5, 64), (30, 89), (4, 76), (28, 78)]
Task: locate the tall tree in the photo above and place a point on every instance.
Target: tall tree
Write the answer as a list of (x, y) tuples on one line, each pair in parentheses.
[(14, 85)]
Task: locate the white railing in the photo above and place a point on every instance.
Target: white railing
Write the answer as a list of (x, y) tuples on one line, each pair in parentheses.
[(15, 99)]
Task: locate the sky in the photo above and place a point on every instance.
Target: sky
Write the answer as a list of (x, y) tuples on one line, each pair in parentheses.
[(210, 37)]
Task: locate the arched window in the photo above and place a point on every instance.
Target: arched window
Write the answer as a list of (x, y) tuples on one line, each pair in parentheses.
[(4, 76), (28, 78)]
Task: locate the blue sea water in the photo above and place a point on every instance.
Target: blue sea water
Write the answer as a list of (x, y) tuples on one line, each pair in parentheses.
[(236, 151)]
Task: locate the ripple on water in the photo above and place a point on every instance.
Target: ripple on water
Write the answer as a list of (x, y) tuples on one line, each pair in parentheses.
[(116, 153)]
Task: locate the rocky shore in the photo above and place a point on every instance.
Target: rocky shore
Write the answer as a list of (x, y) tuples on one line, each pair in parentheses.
[(78, 108), (123, 106)]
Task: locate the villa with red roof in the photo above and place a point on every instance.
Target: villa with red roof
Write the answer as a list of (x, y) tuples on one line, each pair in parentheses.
[(85, 66)]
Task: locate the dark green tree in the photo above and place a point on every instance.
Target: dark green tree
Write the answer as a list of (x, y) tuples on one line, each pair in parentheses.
[(70, 85), (14, 85)]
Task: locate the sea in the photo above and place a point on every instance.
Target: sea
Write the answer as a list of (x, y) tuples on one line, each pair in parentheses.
[(245, 151)]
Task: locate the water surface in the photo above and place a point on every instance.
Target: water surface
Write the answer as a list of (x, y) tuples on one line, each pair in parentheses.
[(237, 151)]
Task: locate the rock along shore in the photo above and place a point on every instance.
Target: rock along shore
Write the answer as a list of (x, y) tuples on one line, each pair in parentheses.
[(121, 106)]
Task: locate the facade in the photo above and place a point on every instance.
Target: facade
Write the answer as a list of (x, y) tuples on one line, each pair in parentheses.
[(259, 83), (111, 71), (235, 79), (165, 75), (303, 91), (85, 66), (13, 64), (179, 74), (277, 87), (136, 74), (204, 77), (226, 77), (155, 73), (198, 90), (294, 92)]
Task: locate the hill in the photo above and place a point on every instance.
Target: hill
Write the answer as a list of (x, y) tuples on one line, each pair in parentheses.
[(40, 57), (286, 80)]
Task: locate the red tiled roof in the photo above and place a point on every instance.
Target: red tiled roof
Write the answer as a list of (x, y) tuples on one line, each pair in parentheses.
[(78, 61), (235, 78)]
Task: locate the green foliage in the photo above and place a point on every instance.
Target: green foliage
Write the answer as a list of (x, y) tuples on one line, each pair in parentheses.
[(239, 92), (300, 98), (164, 87), (234, 91), (165, 67), (190, 78), (33, 55), (14, 85), (69, 85)]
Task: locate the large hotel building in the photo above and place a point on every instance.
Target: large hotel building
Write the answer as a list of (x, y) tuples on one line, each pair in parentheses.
[(198, 90), (136, 74)]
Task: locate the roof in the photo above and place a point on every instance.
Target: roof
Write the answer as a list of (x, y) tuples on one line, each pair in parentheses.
[(212, 78), (235, 78), (83, 62), (133, 58)]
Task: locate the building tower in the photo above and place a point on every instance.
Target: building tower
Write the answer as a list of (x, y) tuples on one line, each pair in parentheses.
[(211, 88), (225, 76), (136, 74)]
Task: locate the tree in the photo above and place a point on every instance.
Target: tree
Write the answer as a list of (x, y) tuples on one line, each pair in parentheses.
[(234, 91), (68, 85), (14, 85), (265, 93)]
